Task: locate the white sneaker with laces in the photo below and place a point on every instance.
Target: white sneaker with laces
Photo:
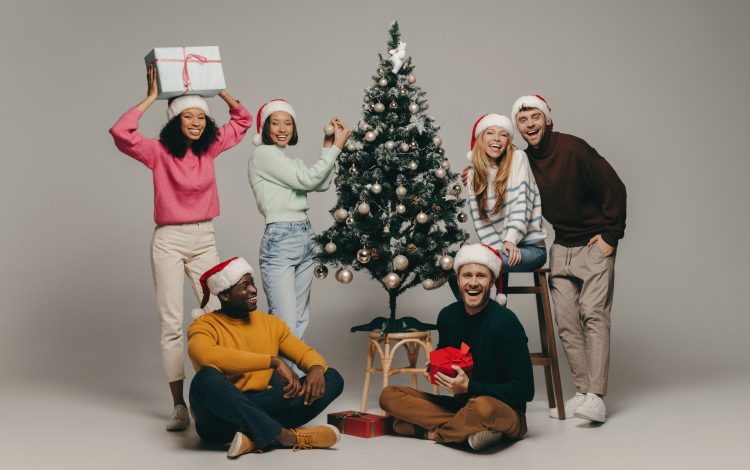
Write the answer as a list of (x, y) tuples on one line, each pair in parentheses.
[(570, 406), (483, 439), (179, 420), (592, 409)]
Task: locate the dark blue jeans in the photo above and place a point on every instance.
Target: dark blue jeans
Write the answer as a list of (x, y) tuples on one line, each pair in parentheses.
[(221, 409)]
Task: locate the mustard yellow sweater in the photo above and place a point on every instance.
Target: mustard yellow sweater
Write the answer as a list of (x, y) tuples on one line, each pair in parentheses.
[(242, 349)]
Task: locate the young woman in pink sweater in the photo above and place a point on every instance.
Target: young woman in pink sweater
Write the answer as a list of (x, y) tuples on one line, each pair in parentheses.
[(185, 202)]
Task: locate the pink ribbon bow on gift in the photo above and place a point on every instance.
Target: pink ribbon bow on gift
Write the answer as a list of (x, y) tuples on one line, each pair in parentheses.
[(185, 59)]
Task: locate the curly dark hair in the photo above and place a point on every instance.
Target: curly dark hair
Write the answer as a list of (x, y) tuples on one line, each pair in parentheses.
[(265, 135), (177, 143)]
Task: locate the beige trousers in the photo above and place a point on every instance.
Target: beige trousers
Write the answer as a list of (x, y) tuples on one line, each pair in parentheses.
[(581, 283), (452, 418), (176, 251)]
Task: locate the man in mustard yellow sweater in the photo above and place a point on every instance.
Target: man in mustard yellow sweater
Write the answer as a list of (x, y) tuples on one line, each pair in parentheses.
[(242, 390)]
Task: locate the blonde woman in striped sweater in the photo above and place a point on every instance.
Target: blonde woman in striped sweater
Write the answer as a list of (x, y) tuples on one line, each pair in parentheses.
[(504, 199)]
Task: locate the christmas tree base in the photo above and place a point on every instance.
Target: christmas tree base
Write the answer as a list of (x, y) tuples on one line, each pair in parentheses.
[(394, 325)]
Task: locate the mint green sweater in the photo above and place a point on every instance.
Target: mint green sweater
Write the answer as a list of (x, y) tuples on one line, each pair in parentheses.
[(281, 183)]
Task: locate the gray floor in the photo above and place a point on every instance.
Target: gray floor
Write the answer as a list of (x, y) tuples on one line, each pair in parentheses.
[(690, 423)]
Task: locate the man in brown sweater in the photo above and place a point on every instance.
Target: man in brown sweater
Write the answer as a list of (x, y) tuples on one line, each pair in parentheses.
[(584, 200)]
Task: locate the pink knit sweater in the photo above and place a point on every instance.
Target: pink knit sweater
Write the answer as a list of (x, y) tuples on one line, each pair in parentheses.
[(184, 188)]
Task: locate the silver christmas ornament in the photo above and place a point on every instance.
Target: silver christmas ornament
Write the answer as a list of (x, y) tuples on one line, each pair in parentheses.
[(456, 189), (350, 221), (422, 218), (363, 126), (400, 263), (390, 145), (445, 165), (462, 217), (330, 248), (363, 256), (440, 173), (350, 147), (446, 262), (401, 191), (379, 107), (383, 82), (376, 188), (411, 79), (404, 147), (414, 108), (391, 280), (370, 136), (393, 105), (400, 209), (341, 214), (321, 271), (328, 130), (437, 140), (413, 166), (363, 208), (402, 91), (353, 171), (428, 284), (344, 276), (413, 145)]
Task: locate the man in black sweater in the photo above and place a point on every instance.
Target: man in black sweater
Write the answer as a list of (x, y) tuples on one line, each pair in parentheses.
[(491, 403), (585, 201)]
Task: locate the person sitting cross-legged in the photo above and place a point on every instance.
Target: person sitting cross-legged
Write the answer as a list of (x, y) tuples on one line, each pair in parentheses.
[(243, 392), (492, 404)]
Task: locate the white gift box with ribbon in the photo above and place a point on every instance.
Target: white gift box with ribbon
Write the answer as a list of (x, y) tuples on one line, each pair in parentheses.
[(187, 71)]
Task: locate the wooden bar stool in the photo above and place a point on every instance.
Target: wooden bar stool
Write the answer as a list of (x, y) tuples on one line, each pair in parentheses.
[(548, 357), (412, 341)]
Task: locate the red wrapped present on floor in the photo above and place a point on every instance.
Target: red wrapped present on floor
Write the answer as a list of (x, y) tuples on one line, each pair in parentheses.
[(359, 424), (442, 360)]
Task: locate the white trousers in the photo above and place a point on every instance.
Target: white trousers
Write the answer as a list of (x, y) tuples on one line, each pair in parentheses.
[(178, 249)]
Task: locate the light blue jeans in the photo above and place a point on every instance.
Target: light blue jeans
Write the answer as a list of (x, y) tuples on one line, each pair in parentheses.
[(532, 257), (286, 268)]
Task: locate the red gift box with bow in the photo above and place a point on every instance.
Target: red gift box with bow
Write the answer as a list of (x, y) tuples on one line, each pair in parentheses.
[(359, 424), (442, 360)]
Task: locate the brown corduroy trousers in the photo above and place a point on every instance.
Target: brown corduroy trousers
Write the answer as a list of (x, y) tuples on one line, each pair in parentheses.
[(452, 418)]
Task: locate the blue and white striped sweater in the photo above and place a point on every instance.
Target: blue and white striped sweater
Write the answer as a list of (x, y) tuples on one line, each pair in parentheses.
[(520, 219)]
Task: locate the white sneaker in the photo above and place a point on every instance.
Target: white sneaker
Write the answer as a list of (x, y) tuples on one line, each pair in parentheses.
[(570, 406), (483, 439), (179, 420), (592, 409)]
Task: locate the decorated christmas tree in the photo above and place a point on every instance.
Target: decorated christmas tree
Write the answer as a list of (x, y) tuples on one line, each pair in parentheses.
[(398, 210)]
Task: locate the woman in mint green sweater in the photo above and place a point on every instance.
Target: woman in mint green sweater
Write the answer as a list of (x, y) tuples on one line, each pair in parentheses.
[(280, 184)]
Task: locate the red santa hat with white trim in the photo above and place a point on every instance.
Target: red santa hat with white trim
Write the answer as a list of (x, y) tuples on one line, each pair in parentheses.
[(266, 110), (489, 120), (177, 105), (532, 101), (223, 276), (487, 256)]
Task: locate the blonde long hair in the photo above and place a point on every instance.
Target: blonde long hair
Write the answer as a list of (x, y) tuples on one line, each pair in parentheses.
[(480, 180)]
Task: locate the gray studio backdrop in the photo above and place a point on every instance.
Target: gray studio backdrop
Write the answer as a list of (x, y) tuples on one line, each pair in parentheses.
[(658, 88)]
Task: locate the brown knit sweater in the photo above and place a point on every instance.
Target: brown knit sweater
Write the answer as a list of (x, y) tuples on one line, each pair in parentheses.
[(582, 196)]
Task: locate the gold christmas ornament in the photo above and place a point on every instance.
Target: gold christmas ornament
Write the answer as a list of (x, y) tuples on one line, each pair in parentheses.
[(363, 208), (400, 263), (401, 191), (437, 141), (328, 130), (440, 173), (390, 145), (379, 107), (370, 136), (391, 280), (321, 271), (344, 276), (341, 214), (383, 82), (376, 188), (400, 209), (411, 78), (413, 108), (363, 255), (445, 165), (404, 147), (445, 262), (413, 166), (330, 248), (422, 218)]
